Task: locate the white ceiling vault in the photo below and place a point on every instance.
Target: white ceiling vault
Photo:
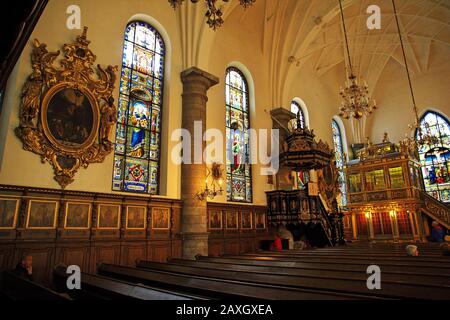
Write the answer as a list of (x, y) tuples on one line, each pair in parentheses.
[(311, 31)]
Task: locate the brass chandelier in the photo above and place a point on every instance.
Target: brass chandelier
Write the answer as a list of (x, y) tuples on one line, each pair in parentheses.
[(355, 96), (213, 13)]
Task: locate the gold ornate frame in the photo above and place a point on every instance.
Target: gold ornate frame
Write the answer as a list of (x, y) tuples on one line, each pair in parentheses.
[(251, 220), (145, 218), (220, 212), (95, 110), (119, 213), (55, 215), (264, 220), (76, 71), (236, 214), (67, 214), (166, 212), (16, 211)]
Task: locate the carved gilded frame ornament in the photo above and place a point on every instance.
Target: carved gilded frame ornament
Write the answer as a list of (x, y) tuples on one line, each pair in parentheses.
[(67, 112)]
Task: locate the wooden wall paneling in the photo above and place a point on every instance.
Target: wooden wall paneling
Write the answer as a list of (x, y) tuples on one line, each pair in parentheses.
[(74, 253), (104, 251), (177, 249), (159, 250), (7, 256), (132, 251), (88, 246), (216, 247), (231, 245)]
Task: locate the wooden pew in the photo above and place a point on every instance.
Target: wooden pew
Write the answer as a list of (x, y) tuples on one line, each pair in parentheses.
[(16, 288), (336, 266), (390, 289), (387, 253), (95, 287), (411, 261), (217, 287), (360, 274), (394, 250), (435, 249), (438, 260)]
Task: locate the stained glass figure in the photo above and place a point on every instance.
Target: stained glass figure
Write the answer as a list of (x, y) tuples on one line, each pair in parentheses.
[(137, 151), (340, 161), (239, 173), (435, 158)]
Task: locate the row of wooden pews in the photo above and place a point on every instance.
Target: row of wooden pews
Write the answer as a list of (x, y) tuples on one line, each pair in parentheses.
[(15, 288), (332, 273), (215, 284), (338, 273), (97, 287)]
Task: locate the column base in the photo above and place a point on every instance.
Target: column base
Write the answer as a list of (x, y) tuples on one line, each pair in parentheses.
[(195, 244)]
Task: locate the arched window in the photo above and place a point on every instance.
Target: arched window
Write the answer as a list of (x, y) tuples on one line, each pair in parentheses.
[(138, 134), (300, 178), (297, 109), (340, 160), (435, 158), (239, 171)]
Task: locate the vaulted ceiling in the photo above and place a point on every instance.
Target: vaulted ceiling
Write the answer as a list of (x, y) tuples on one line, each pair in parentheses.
[(311, 33)]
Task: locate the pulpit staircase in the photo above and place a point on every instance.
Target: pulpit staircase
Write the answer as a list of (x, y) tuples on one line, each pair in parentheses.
[(435, 209)]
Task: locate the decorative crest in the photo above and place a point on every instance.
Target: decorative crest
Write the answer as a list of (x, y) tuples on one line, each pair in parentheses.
[(67, 112)]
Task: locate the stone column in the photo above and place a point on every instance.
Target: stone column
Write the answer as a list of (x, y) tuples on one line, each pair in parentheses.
[(194, 215)]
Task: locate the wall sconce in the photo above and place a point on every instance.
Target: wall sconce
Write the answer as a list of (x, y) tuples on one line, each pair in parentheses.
[(217, 181), (368, 214)]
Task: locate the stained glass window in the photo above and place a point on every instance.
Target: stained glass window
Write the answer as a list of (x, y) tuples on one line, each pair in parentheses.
[(239, 171), (295, 108), (301, 178), (435, 158), (138, 133), (340, 161)]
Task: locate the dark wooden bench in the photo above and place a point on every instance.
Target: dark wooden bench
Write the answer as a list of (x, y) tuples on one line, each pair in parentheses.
[(95, 287), (218, 287), (337, 265), (432, 255), (411, 261), (390, 289), (437, 261), (358, 274), (16, 288)]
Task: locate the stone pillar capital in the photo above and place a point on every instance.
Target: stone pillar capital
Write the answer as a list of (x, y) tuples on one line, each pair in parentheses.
[(197, 76)]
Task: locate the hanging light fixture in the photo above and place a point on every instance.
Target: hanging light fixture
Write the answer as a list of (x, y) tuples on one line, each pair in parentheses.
[(424, 138), (356, 101), (213, 13)]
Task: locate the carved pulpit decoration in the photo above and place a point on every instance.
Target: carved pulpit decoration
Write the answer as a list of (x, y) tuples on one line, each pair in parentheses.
[(68, 111), (328, 178)]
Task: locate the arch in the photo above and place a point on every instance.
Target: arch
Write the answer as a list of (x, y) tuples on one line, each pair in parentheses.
[(137, 153), (237, 121), (338, 143), (304, 109), (251, 86), (435, 156)]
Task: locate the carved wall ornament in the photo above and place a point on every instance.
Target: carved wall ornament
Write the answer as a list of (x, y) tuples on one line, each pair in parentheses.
[(67, 112)]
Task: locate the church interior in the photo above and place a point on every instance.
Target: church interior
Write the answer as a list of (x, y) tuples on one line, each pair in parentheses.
[(333, 153)]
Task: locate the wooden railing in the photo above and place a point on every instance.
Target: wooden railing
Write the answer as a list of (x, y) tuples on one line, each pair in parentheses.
[(383, 195), (436, 209)]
